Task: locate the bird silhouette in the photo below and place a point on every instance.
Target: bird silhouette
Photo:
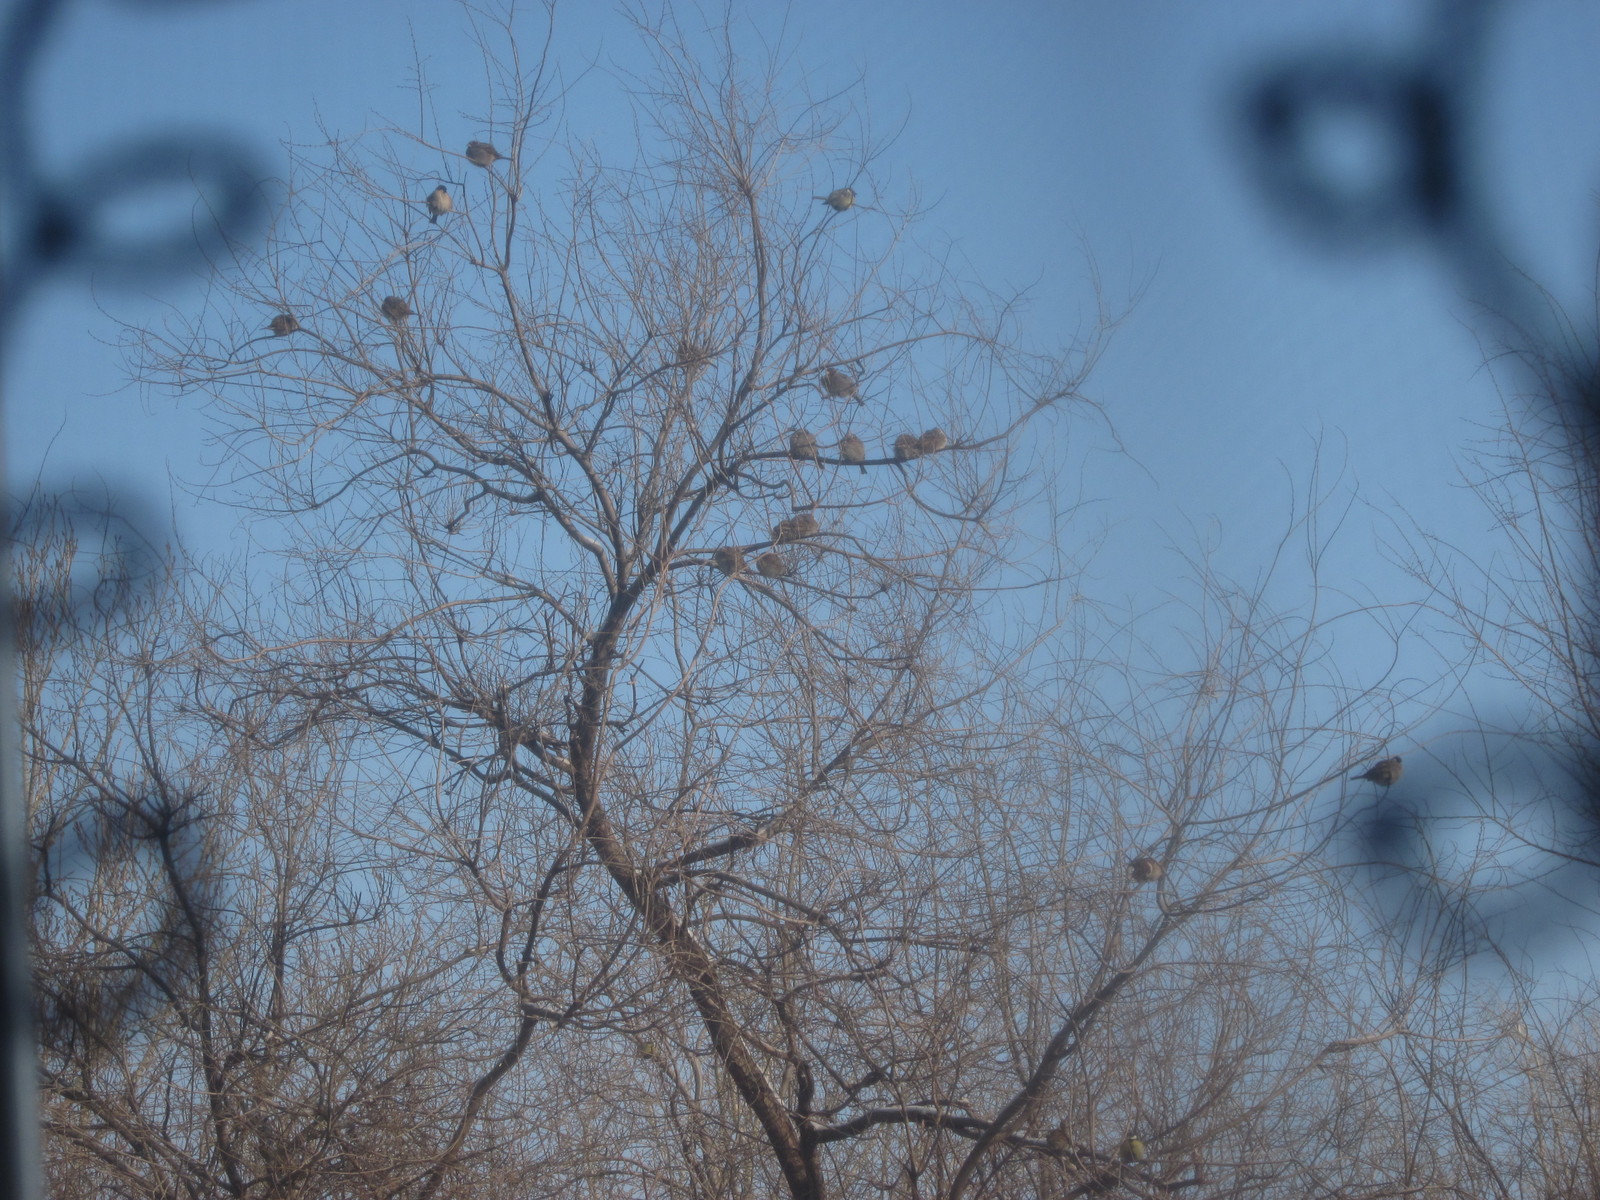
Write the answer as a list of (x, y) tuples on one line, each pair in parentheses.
[(853, 450), (838, 384), (396, 309), (772, 566), (934, 440), (482, 154), (803, 444), (839, 199), (906, 447), (439, 203), (1145, 869), (283, 325), (1386, 772), (728, 559), (796, 528)]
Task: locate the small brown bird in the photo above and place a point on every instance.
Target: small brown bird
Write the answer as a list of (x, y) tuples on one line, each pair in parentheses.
[(838, 384), (906, 447), (482, 154), (1386, 772), (853, 450), (772, 566), (796, 528), (839, 199), (439, 203), (1145, 869), (283, 325), (934, 440), (803, 444), (396, 309), (728, 559)]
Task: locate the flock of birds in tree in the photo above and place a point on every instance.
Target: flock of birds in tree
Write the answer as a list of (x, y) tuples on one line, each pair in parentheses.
[(803, 446), (438, 203), (837, 383)]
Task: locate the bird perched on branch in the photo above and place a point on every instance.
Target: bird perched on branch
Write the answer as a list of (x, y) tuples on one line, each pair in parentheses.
[(283, 325), (839, 199), (803, 444), (1132, 1150), (796, 528), (934, 440), (482, 154), (853, 450), (1386, 773), (772, 566), (1145, 869), (728, 559), (396, 309), (906, 447), (839, 384), (439, 203)]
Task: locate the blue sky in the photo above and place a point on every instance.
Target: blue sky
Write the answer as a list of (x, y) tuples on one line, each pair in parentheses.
[(1042, 134), (1038, 131)]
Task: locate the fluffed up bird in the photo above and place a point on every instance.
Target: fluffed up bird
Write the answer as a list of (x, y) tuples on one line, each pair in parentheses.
[(1132, 1150), (803, 444), (283, 325), (839, 199), (482, 154), (1145, 869), (439, 203), (728, 559), (906, 447), (838, 384), (772, 566), (1386, 772), (395, 309), (934, 440), (853, 450), (796, 528)]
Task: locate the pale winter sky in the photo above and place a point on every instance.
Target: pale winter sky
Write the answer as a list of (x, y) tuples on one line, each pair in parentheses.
[(1043, 135)]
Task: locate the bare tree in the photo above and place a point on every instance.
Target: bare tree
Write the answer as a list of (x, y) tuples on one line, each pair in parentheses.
[(668, 770)]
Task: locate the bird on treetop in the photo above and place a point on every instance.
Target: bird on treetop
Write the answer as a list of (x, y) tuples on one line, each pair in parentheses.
[(839, 199), (838, 384), (772, 566), (1145, 869), (802, 444), (906, 447), (728, 559), (853, 450), (1386, 772), (934, 440), (482, 154), (283, 325), (439, 203), (395, 309)]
